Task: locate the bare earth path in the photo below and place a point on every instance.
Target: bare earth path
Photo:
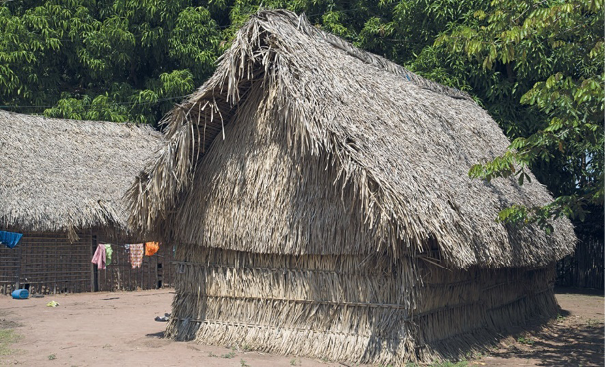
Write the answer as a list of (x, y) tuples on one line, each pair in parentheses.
[(118, 329)]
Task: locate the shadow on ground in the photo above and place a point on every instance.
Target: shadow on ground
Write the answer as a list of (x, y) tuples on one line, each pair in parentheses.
[(559, 344), (159, 335)]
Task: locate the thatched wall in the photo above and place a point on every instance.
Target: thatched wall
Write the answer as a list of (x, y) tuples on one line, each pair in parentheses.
[(350, 308), (253, 193), (464, 311)]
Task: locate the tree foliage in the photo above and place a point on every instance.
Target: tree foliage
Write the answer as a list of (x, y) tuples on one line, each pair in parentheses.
[(130, 60), (113, 60), (549, 57)]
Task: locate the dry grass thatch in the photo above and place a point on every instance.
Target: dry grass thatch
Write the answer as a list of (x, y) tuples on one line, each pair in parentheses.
[(340, 308), (394, 147), (64, 175)]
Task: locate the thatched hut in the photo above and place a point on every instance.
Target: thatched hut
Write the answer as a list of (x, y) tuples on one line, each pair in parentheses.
[(63, 184), (320, 199)]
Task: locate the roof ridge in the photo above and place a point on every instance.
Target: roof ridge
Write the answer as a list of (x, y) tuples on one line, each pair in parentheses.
[(302, 23)]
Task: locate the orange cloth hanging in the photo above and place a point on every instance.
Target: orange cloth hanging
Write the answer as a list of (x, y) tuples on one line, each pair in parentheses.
[(151, 248)]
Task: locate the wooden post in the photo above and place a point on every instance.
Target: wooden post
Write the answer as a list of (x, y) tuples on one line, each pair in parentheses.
[(56, 264), (157, 260), (94, 273), (18, 276)]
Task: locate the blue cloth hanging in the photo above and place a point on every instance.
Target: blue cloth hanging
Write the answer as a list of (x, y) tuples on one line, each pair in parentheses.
[(10, 239)]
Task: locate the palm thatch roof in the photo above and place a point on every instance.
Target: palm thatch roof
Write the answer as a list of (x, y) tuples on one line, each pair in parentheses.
[(403, 144), (65, 175)]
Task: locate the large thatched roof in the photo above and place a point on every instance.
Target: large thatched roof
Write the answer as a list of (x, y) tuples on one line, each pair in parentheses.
[(402, 143), (64, 175)]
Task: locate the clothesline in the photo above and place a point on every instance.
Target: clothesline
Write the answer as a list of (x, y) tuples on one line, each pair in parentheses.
[(103, 254)]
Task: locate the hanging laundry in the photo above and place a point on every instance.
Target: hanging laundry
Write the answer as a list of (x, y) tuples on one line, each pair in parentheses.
[(136, 254), (10, 239), (108, 253), (151, 248), (99, 257)]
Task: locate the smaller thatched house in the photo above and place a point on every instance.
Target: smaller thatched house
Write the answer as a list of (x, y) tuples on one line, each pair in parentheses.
[(62, 186), (320, 198)]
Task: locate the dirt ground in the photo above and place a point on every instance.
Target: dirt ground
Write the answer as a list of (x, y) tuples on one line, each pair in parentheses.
[(118, 329)]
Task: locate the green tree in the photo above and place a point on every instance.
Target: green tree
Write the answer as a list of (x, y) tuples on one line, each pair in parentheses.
[(540, 68), (131, 60), (111, 60)]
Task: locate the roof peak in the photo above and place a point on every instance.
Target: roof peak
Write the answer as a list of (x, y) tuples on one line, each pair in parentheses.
[(302, 23)]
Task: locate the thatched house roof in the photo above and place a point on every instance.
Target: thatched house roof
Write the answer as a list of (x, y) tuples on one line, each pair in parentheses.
[(65, 175), (401, 143)]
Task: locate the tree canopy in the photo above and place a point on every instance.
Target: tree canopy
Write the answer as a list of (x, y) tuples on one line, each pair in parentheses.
[(107, 60), (131, 60), (536, 66), (543, 82)]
